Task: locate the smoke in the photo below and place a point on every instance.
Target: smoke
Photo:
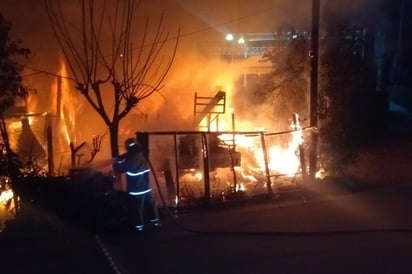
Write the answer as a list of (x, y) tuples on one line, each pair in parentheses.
[(196, 68)]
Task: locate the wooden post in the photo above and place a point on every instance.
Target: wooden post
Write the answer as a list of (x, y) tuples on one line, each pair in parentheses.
[(177, 170), (265, 157), (142, 138), (233, 153), (49, 140), (205, 156), (303, 163), (314, 88), (59, 97)]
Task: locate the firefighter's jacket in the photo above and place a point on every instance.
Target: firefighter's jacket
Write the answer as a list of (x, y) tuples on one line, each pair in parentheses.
[(134, 165)]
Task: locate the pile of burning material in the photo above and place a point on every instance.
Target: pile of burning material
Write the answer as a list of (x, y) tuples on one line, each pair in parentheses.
[(222, 165), (6, 193), (191, 186), (192, 162), (7, 202), (220, 154)]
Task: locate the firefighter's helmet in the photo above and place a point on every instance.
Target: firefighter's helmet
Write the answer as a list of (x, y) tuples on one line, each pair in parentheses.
[(130, 142), (132, 145)]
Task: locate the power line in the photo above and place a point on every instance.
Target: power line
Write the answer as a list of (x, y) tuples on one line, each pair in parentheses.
[(256, 13), (240, 18)]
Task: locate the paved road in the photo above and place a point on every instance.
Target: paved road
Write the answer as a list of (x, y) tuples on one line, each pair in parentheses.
[(336, 231), (359, 232), (40, 242), (339, 230)]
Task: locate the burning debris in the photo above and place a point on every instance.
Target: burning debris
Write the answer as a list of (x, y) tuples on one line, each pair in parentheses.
[(7, 202), (219, 165)]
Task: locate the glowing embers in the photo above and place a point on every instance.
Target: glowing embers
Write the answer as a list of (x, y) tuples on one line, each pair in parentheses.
[(282, 150), (8, 202), (269, 160), (6, 195), (191, 185), (284, 159)]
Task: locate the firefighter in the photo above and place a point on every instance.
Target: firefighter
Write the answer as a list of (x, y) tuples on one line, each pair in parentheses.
[(135, 166)]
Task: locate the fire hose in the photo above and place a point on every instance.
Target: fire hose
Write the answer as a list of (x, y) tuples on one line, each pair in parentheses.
[(269, 233), (107, 255), (318, 233)]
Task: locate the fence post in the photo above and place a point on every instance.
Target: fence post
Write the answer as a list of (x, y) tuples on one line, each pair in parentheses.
[(265, 157), (205, 156), (49, 138), (177, 169)]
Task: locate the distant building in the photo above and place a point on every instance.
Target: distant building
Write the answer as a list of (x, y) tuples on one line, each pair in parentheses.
[(246, 50)]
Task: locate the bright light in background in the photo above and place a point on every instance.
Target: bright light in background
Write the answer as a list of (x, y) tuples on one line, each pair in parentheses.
[(229, 37)]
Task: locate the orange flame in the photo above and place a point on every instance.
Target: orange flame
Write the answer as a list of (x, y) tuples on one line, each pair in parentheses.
[(281, 159), (65, 107)]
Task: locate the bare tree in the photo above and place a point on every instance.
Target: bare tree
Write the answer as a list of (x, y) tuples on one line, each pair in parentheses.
[(112, 70)]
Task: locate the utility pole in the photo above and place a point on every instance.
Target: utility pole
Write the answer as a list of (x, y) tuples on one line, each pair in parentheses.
[(398, 55), (314, 88)]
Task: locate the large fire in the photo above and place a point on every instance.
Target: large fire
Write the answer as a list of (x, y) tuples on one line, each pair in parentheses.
[(266, 157), (260, 163), (66, 105)]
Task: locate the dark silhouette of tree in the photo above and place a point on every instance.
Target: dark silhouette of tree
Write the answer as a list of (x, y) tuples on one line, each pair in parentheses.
[(348, 109), (11, 87), (348, 99), (286, 86), (112, 64)]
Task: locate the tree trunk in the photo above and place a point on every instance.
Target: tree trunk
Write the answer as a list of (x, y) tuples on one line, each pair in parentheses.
[(114, 138), (314, 88), (5, 134)]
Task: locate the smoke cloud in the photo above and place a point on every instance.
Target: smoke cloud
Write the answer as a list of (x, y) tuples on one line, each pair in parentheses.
[(196, 68)]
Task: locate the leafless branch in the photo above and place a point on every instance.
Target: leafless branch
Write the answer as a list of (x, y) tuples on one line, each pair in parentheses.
[(96, 145), (100, 50)]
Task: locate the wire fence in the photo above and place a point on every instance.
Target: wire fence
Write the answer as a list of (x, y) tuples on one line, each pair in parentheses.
[(197, 166)]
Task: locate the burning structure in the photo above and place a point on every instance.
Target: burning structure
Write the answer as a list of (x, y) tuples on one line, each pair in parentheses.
[(215, 156), (228, 155), (218, 164), (224, 148)]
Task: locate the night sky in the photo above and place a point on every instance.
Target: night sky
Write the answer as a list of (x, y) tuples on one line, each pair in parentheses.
[(201, 20)]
